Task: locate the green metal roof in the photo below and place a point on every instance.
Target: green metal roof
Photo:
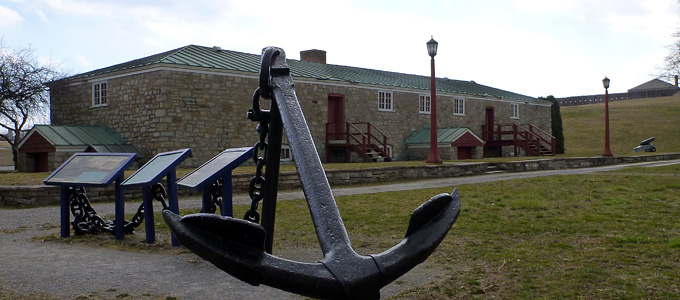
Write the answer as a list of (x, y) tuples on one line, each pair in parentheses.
[(444, 135), (82, 136), (216, 58)]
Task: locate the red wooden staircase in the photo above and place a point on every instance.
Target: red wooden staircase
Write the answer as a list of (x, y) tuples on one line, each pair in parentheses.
[(363, 138), (531, 139)]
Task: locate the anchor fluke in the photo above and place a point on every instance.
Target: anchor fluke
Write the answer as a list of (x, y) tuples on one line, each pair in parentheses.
[(427, 228)]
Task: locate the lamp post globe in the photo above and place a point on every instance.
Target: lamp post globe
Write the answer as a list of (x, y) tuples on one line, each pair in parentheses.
[(605, 82), (434, 151), (432, 47), (607, 150)]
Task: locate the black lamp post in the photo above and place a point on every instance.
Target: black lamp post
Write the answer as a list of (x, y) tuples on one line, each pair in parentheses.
[(434, 151), (607, 151)]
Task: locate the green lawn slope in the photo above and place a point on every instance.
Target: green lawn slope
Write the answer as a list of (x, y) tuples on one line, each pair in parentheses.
[(630, 121)]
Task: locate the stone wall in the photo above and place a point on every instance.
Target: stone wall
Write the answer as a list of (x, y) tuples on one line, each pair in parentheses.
[(579, 162), (49, 195), (163, 110)]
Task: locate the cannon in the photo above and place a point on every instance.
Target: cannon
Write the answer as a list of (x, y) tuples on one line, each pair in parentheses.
[(645, 145)]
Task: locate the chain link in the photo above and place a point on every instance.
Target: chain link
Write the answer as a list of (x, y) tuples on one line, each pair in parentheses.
[(215, 196), (86, 219), (256, 114)]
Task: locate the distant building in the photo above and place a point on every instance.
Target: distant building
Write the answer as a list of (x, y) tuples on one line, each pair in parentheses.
[(198, 97), (650, 89), (653, 88)]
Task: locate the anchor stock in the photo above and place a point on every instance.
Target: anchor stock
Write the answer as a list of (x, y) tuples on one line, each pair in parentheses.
[(238, 246)]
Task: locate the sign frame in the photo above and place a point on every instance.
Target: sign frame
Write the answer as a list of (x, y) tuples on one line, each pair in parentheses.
[(116, 176), (223, 172), (183, 154), (106, 181), (246, 153), (146, 185)]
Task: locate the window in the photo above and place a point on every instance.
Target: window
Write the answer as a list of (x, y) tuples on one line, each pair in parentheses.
[(385, 101), (515, 111), (459, 106), (424, 104), (285, 153), (99, 97)]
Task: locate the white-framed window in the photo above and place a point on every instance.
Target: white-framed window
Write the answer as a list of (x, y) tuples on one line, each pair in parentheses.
[(424, 104), (459, 106), (385, 101), (285, 153), (514, 114), (99, 94)]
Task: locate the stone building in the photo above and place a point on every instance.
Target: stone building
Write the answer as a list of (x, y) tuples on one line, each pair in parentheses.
[(198, 97)]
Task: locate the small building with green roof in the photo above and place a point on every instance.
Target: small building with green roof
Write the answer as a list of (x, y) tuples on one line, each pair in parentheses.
[(198, 97), (458, 143), (45, 147)]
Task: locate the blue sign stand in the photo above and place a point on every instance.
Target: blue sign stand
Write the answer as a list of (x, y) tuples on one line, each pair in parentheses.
[(91, 170), (220, 166), (162, 165)]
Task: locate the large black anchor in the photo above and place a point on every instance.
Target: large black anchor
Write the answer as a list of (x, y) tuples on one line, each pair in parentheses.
[(238, 246)]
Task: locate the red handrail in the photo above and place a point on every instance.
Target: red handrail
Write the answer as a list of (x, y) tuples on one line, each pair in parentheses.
[(356, 137), (530, 139)]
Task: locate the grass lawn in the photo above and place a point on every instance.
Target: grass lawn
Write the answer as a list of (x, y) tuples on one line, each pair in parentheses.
[(599, 236), (630, 122)]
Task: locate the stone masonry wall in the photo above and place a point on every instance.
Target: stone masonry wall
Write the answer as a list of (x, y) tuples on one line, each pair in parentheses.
[(165, 110)]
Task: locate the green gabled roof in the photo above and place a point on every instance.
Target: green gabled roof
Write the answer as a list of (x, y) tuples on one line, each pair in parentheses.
[(216, 58), (81, 136), (444, 135)]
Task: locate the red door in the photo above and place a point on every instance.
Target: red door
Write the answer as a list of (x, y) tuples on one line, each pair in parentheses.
[(464, 153), (41, 162), (336, 116)]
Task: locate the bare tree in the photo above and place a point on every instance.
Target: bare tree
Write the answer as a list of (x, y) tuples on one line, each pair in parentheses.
[(671, 66), (23, 93)]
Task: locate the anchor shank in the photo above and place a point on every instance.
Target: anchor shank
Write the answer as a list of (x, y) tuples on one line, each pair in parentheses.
[(330, 230)]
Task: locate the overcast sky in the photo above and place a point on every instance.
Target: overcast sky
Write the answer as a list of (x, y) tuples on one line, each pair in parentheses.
[(531, 47)]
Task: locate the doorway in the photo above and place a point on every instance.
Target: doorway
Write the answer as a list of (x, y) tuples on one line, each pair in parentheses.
[(464, 153), (336, 116), (489, 122), (40, 162)]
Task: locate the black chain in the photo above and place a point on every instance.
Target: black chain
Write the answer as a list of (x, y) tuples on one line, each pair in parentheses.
[(159, 194), (215, 196), (255, 114), (86, 219)]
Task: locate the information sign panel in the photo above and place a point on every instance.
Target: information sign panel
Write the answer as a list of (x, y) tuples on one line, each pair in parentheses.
[(90, 169), (213, 169), (156, 168)]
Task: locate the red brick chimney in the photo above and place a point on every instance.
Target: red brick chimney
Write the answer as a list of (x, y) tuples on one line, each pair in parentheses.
[(314, 55)]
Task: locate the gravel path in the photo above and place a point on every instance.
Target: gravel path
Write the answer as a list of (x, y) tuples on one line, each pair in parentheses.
[(32, 269)]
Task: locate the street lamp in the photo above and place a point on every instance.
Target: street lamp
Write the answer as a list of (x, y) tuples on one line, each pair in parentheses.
[(434, 151), (607, 151)]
